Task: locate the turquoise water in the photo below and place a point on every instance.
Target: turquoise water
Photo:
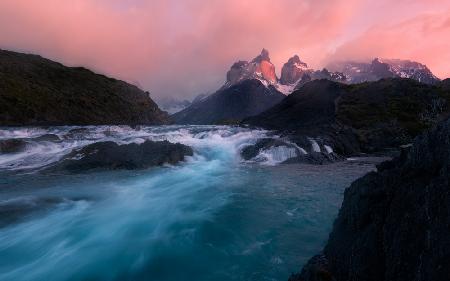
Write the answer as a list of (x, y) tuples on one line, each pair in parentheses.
[(213, 217)]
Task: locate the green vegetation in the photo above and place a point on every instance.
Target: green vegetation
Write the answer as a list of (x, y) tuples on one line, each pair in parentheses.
[(401, 103)]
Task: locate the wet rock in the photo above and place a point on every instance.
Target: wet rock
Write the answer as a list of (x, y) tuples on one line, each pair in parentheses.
[(252, 151), (300, 152), (14, 210), (77, 133), (12, 145), (48, 137), (315, 270), (110, 155), (394, 223)]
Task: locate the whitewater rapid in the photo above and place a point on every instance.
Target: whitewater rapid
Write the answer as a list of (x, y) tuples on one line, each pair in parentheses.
[(212, 217)]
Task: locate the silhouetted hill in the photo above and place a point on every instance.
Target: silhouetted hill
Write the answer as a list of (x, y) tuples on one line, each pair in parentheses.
[(38, 91), (367, 117), (230, 104)]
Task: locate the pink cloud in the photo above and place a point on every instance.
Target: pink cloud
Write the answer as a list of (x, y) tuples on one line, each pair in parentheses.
[(182, 48), (425, 38)]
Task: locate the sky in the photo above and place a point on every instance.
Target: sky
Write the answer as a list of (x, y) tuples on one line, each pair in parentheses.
[(182, 48)]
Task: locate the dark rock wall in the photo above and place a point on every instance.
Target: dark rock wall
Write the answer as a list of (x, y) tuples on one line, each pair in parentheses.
[(394, 224)]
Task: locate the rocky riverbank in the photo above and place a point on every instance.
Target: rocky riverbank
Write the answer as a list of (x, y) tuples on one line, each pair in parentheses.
[(394, 223)]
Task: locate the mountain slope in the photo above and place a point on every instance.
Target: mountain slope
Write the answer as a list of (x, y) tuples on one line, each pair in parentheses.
[(250, 88), (394, 223), (37, 91), (247, 98), (172, 105), (365, 117)]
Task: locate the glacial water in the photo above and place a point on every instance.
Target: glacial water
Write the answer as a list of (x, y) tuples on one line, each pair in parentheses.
[(213, 217)]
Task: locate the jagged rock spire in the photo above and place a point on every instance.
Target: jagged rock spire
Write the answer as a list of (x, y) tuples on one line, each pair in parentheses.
[(293, 70), (259, 68), (264, 56)]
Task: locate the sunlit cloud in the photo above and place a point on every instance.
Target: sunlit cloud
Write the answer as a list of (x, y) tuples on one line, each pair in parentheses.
[(182, 48)]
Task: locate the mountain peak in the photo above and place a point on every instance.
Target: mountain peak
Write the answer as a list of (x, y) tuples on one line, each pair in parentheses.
[(293, 70), (384, 68), (264, 56), (259, 68)]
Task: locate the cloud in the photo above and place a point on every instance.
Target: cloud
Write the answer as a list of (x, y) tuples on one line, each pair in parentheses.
[(182, 48), (425, 38)]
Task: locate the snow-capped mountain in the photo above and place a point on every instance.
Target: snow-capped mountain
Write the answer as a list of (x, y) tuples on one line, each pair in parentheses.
[(262, 69), (293, 70), (385, 68), (259, 68), (294, 73), (250, 88)]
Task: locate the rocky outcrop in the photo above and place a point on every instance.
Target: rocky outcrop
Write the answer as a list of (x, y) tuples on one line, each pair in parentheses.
[(311, 151), (368, 117), (394, 223), (47, 137), (15, 210), (293, 70), (37, 91), (377, 69), (110, 155), (259, 68), (12, 145), (230, 104)]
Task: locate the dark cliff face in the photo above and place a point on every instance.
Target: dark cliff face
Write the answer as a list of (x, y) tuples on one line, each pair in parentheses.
[(232, 104), (394, 224), (367, 117), (37, 91)]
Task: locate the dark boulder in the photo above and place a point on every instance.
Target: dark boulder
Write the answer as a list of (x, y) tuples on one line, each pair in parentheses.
[(252, 151), (77, 133), (110, 155), (19, 209), (304, 151), (48, 137), (394, 224), (12, 145)]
